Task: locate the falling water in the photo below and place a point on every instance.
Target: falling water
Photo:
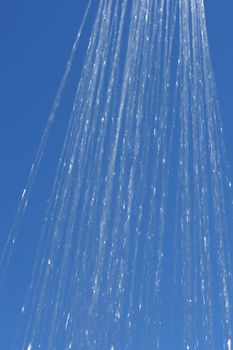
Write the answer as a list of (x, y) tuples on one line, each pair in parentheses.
[(134, 251)]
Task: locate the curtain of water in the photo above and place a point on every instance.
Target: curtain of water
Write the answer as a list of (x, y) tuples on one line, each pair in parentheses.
[(135, 240)]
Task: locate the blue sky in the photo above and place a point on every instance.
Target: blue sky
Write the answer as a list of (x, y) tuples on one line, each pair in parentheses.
[(36, 39), (220, 30)]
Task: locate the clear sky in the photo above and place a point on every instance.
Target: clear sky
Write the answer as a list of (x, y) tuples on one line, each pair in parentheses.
[(36, 39)]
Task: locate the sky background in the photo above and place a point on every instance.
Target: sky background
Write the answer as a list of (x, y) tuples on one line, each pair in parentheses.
[(36, 39)]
